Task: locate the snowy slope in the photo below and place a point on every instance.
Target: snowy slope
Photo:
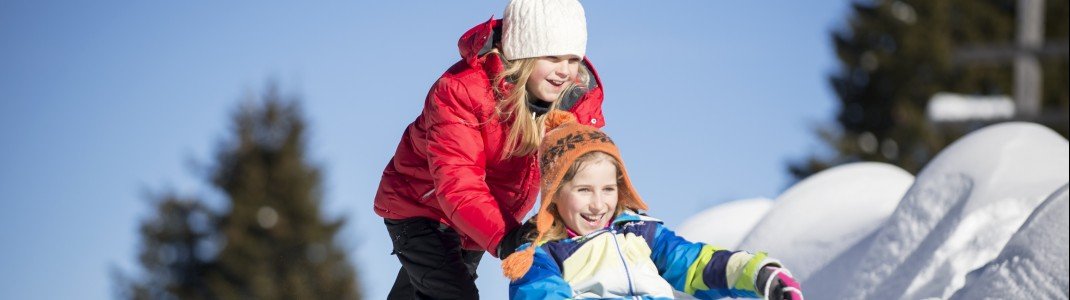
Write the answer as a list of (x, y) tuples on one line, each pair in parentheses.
[(822, 216), (1035, 264), (726, 224), (963, 207)]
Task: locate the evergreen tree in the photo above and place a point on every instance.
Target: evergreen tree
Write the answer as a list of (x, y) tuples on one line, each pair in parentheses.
[(176, 251), (895, 54), (278, 244), (272, 242)]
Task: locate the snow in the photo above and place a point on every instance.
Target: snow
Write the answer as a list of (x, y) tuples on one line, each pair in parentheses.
[(725, 225), (956, 107), (1035, 264), (963, 208), (858, 196), (967, 226)]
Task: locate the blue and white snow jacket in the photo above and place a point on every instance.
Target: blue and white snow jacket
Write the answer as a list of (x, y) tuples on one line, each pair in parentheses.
[(637, 258)]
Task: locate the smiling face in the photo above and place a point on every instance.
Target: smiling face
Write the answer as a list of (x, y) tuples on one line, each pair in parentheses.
[(551, 75), (588, 202)]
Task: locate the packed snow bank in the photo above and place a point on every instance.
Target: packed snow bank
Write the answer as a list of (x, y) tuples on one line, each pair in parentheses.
[(726, 224), (1035, 264), (824, 215), (963, 207)]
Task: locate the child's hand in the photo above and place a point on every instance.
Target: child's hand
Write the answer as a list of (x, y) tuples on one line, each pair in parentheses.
[(779, 285)]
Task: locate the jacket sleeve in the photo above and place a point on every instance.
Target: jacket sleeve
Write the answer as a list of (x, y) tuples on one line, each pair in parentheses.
[(705, 271), (543, 280), (458, 164)]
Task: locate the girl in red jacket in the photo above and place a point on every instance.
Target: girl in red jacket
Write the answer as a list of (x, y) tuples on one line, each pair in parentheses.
[(465, 173)]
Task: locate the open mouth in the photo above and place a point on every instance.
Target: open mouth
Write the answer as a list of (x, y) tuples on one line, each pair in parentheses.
[(556, 83), (592, 219)]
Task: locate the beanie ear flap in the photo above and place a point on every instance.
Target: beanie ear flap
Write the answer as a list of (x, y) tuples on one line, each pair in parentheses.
[(519, 263), (633, 200)]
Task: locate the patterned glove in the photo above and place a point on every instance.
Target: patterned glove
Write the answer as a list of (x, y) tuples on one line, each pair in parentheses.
[(778, 284)]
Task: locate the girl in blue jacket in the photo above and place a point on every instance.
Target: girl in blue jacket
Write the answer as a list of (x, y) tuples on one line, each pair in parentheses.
[(591, 242)]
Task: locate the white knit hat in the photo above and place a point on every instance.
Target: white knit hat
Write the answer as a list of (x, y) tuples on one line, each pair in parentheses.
[(534, 28)]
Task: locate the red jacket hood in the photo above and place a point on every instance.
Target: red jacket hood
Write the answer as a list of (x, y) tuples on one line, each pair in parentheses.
[(480, 39)]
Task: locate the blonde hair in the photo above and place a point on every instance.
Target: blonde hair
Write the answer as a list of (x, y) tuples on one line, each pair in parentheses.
[(526, 133), (557, 229)]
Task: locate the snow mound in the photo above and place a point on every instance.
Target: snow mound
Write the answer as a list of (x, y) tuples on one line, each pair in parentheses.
[(726, 224), (822, 216), (1035, 264), (963, 207)]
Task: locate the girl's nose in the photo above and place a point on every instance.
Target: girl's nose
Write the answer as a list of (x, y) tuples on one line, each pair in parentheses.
[(562, 69), (598, 202)]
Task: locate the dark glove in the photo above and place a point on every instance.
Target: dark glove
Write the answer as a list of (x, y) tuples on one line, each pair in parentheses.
[(514, 238), (777, 284)]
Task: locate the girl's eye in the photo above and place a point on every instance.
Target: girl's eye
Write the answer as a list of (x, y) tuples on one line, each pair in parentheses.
[(609, 189), (584, 190)]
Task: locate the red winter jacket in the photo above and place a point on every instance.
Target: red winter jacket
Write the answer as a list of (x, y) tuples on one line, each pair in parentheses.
[(448, 167)]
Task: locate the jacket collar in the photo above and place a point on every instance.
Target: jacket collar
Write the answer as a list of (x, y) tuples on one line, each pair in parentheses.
[(632, 216)]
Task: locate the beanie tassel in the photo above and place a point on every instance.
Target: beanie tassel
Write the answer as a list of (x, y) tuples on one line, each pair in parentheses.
[(518, 264)]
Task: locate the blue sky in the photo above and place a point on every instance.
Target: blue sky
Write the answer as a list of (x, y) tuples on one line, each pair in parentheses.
[(102, 102)]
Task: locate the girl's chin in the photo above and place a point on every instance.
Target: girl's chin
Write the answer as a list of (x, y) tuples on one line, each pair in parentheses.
[(551, 96), (588, 227)]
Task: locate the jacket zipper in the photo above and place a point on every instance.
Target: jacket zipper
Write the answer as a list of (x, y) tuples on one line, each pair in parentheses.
[(627, 273)]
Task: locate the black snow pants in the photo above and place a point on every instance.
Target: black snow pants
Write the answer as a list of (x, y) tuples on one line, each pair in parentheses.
[(433, 265)]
